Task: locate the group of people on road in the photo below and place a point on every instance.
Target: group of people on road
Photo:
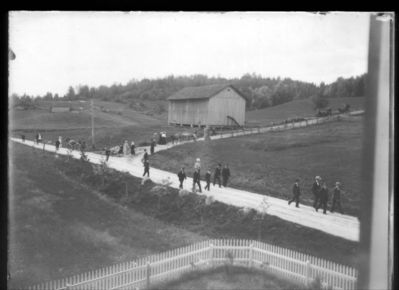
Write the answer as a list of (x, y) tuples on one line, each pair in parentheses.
[(320, 194), (38, 138), (124, 149), (220, 175)]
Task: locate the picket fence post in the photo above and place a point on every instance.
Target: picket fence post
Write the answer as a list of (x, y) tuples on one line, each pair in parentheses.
[(211, 254), (148, 274), (308, 272), (251, 254)]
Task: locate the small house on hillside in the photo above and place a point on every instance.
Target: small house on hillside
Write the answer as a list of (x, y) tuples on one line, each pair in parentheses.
[(214, 105)]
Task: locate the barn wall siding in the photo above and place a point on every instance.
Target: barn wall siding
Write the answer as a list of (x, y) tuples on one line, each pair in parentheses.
[(213, 111), (188, 112), (226, 103)]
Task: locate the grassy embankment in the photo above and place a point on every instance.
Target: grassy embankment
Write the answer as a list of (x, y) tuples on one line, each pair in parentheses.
[(59, 226)]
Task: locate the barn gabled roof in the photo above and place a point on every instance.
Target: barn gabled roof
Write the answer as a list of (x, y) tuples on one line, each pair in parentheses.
[(202, 92)]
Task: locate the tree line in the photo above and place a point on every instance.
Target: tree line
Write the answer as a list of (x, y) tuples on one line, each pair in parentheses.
[(259, 92)]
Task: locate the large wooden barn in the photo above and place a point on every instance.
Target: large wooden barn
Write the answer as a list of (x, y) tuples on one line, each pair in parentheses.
[(214, 105)]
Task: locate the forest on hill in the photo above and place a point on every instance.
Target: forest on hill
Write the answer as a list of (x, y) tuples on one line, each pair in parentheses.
[(260, 92)]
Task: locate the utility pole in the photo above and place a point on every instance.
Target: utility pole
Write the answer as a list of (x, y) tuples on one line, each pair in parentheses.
[(92, 123)]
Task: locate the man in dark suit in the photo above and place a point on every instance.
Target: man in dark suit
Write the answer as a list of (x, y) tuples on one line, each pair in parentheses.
[(216, 175), (323, 198), (336, 200), (196, 180), (145, 156), (146, 168), (152, 146), (225, 174), (107, 153), (208, 179), (296, 191), (316, 187), (182, 175)]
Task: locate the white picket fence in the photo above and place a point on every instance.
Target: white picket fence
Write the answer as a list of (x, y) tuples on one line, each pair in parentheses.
[(169, 265)]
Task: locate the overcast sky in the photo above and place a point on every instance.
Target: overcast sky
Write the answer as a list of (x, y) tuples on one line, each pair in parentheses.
[(57, 49)]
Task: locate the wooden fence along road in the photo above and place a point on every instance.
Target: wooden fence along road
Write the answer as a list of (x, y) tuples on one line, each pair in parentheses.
[(259, 130), (166, 266)]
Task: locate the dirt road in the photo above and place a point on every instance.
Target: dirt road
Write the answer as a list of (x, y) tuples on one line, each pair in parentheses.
[(335, 224)]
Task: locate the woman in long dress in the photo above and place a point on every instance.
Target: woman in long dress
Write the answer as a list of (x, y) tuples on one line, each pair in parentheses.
[(126, 148)]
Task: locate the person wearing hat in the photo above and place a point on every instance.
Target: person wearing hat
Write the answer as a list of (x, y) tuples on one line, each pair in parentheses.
[(107, 153), (152, 146), (316, 187), (296, 191), (216, 175), (323, 195), (208, 179), (57, 144), (225, 174), (182, 175), (336, 200), (146, 168), (196, 180), (145, 156)]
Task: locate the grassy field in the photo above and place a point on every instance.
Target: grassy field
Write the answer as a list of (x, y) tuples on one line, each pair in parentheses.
[(110, 129), (298, 109), (60, 227), (230, 278), (270, 163)]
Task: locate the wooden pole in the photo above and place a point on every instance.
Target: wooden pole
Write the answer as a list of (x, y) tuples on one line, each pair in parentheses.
[(92, 123), (375, 268)]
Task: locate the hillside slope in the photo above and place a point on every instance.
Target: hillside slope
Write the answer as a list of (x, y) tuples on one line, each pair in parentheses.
[(59, 227), (298, 109)]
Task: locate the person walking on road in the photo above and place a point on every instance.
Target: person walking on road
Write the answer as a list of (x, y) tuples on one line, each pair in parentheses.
[(38, 138), (126, 148), (323, 199), (23, 137), (216, 175), (196, 180), (146, 168), (197, 164), (107, 153), (133, 149), (296, 191), (152, 146), (316, 187), (145, 156), (208, 179), (225, 174), (57, 145), (182, 176), (336, 200)]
